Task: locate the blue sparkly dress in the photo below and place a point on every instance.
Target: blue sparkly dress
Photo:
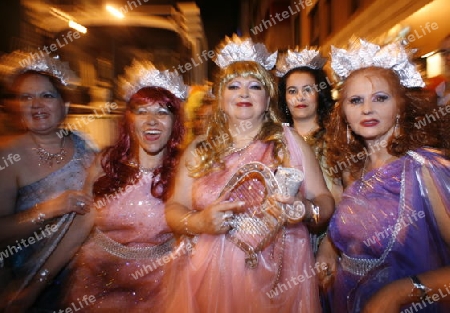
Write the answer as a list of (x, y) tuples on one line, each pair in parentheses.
[(27, 261)]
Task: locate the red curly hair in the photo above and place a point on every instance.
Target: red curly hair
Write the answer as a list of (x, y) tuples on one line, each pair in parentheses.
[(115, 159), (415, 105)]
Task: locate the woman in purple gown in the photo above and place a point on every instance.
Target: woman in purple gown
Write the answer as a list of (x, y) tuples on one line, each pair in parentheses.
[(387, 245)]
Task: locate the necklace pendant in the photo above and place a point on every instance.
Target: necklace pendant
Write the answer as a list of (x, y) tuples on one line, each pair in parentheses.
[(47, 157)]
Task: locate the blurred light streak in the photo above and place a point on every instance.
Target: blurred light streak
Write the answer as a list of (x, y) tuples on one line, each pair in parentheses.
[(77, 27), (114, 11)]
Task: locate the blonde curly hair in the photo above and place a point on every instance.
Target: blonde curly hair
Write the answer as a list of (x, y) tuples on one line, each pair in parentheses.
[(218, 127)]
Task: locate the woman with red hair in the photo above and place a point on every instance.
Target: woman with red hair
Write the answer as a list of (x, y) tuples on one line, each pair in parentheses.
[(387, 248), (121, 264)]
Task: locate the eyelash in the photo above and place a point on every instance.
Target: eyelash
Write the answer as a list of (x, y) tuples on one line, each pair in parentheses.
[(145, 112), (377, 98), (235, 87), (381, 98), (292, 91), (355, 100)]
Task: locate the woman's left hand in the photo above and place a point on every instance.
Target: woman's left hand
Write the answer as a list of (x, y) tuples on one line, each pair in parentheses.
[(386, 300), (292, 214)]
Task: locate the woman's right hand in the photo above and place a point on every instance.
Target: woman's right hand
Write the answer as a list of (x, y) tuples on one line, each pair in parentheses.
[(69, 201), (327, 255)]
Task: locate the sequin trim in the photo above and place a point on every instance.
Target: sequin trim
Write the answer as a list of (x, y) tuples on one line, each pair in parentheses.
[(361, 266), (417, 157), (245, 225), (115, 248)]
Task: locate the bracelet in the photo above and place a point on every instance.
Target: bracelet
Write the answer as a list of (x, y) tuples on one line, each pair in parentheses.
[(315, 209), (33, 216), (184, 220), (419, 290), (315, 213), (295, 212), (43, 275)]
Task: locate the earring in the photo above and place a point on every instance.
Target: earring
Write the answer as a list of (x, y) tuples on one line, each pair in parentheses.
[(397, 127), (349, 134), (286, 110)]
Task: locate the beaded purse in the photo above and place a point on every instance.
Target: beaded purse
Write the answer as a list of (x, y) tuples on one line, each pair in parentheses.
[(261, 219)]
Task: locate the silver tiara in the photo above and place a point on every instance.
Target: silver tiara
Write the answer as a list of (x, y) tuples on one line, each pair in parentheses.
[(19, 62), (144, 74), (293, 58), (362, 54), (236, 49)]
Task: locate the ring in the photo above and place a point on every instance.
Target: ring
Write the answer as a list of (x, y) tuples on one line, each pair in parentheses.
[(80, 203), (327, 270), (227, 215)]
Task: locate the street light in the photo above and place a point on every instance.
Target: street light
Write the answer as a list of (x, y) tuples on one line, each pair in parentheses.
[(114, 11), (77, 26), (66, 17)]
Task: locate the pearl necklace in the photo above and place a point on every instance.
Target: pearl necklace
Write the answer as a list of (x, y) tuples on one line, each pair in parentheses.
[(47, 157)]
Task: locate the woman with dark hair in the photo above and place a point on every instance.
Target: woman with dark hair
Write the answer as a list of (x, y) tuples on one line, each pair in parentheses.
[(121, 264), (42, 174), (387, 244), (305, 103), (304, 93)]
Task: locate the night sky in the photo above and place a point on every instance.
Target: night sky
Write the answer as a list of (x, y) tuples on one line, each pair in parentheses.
[(220, 19)]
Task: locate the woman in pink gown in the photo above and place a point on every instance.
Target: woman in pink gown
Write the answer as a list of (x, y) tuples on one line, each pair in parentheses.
[(120, 266), (273, 270)]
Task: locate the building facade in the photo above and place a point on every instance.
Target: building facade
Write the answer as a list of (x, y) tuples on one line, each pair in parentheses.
[(283, 24)]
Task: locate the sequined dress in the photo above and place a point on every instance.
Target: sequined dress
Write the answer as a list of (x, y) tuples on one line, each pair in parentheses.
[(385, 229), (123, 260), (27, 261), (215, 278)]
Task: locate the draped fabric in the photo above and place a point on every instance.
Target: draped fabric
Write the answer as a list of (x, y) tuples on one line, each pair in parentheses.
[(215, 278), (385, 229), (122, 263), (27, 261)]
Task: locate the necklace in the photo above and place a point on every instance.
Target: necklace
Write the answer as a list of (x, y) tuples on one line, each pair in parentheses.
[(144, 170), (47, 157), (232, 149), (310, 134), (364, 172)]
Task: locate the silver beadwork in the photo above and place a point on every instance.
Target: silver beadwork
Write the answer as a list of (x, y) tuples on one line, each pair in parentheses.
[(115, 248), (236, 49), (144, 74), (362, 266), (362, 54), (293, 58), (19, 62)]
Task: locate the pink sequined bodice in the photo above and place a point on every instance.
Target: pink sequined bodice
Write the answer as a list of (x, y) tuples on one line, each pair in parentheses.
[(133, 216)]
